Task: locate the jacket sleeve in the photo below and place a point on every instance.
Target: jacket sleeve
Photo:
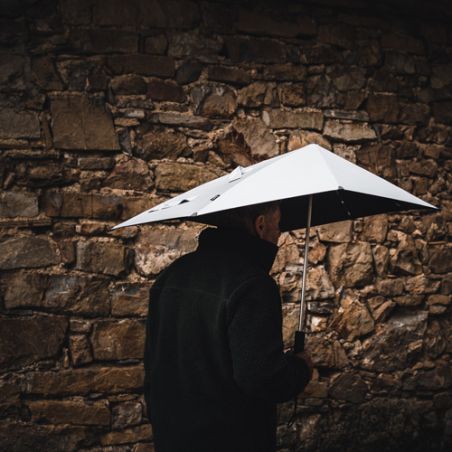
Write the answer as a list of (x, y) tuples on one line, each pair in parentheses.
[(261, 368)]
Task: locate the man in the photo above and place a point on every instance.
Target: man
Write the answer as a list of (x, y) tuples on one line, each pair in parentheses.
[(214, 361)]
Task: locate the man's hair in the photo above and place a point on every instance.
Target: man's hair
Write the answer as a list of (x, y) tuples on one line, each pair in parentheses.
[(244, 217)]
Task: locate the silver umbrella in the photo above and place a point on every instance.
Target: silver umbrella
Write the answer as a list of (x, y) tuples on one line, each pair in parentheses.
[(314, 186)]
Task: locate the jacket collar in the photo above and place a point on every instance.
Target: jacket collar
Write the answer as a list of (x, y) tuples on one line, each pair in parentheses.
[(260, 251)]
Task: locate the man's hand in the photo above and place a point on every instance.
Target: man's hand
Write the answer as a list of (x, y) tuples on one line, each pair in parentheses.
[(306, 357)]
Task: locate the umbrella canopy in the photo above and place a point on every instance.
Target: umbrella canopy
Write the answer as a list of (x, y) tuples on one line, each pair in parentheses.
[(339, 190)]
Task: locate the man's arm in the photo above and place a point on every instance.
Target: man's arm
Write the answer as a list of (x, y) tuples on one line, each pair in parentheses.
[(261, 368)]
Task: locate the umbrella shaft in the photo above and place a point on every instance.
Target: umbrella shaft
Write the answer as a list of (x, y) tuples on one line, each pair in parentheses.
[(302, 320)]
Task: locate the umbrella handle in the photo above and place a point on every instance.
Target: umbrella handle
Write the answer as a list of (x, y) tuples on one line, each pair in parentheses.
[(299, 341)]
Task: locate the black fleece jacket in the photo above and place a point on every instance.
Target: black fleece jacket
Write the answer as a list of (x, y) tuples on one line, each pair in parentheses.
[(214, 361)]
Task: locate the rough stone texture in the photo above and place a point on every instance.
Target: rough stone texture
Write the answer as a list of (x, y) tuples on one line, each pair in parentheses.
[(305, 119), (26, 340), (261, 142), (18, 204), (163, 144), (75, 412), (130, 300), (348, 131), (156, 248), (109, 380), (126, 414), (82, 123), (28, 251), (24, 124), (350, 264), (116, 340), (182, 176), (110, 107), (108, 258), (353, 320), (73, 293)]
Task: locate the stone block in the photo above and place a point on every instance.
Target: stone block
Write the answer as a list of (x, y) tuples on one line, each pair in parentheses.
[(318, 285), (383, 107), (11, 70), (233, 149), (128, 84), (255, 95), (221, 103), (103, 41), (339, 232), (24, 341), (326, 353), (32, 251), (108, 379), (131, 435), (440, 260), (18, 204), (377, 158), (182, 176), (414, 113), (19, 124), (182, 120), (349, 79), (75, 412), (105, 257), (349, 387), (126, 414), (81, 122), (292, 95), (45, 74), (303, 119), (71, 293), (188, 72), (159, 66), (353, 319), (350, 264), (298, 139), (227, 74), (420, 285), (160, 90), (390, 286), (130, 174), (156, 248), (375, 228), (19, 436), (80, 350), (257, 136), (130, 300), (162, 143), (96, 163), (118, 339), (256, 50), (84, 74), (348, 131), (86, 205)]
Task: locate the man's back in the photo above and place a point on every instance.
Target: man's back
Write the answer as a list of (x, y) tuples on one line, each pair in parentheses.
[(214, 362)]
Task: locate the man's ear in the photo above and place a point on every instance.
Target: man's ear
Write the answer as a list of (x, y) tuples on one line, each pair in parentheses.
[(259, 225)]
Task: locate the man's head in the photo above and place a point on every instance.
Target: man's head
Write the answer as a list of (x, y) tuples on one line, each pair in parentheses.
[(261, 220)]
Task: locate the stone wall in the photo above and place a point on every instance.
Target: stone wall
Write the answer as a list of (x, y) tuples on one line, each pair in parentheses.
[(109, 107)]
